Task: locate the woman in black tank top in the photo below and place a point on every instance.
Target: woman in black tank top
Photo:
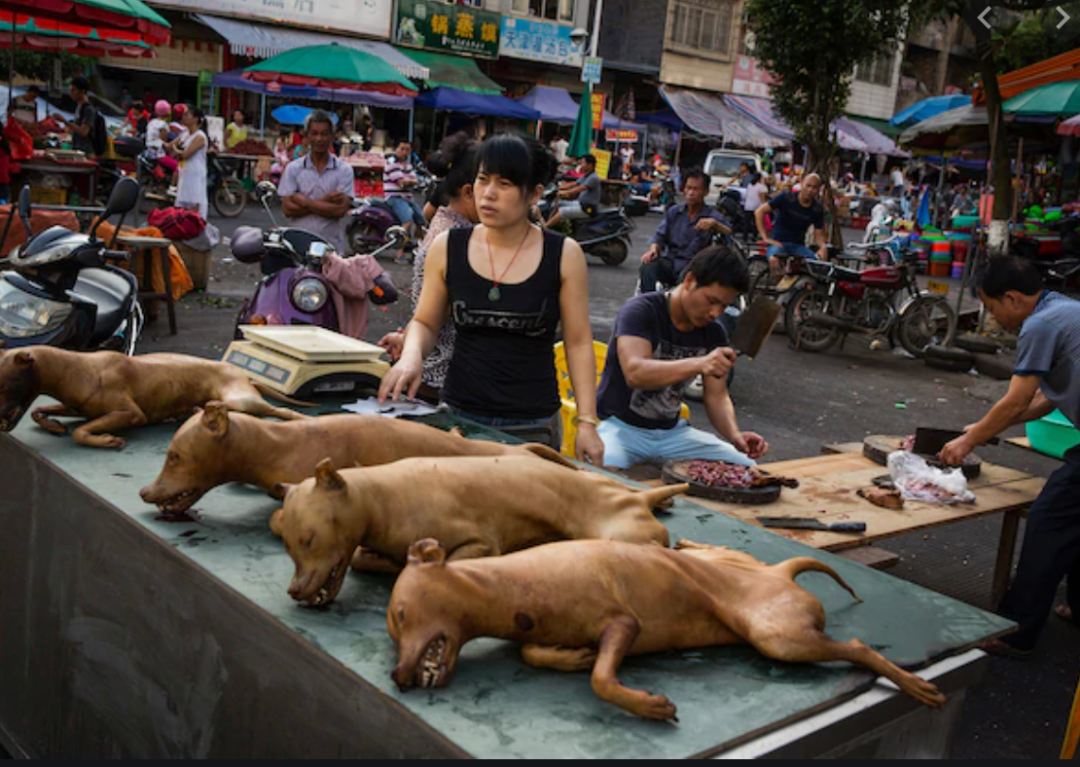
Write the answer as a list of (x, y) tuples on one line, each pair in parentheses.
[(506, 285)]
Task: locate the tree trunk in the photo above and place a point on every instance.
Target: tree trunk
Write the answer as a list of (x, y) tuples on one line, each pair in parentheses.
[(998, 235)]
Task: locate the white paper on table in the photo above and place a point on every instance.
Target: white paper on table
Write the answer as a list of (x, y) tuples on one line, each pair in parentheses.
[(389, 409)]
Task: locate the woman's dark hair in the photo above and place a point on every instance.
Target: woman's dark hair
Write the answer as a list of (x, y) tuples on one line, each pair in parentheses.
[(455, 162), (199, 115), (522, 160), (755, 178), (1003, 274), (719, 265)]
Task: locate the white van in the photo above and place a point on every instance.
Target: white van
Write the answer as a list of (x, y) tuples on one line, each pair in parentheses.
[(722, 166)]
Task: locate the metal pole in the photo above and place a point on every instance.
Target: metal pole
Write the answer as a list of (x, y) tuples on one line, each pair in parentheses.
[(11, 71), (941, 188), (411, 111), (262, 122), (595, 42)]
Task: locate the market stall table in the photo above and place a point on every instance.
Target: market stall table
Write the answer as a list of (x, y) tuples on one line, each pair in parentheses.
[(827, 492), (45, 164), (127, 634)]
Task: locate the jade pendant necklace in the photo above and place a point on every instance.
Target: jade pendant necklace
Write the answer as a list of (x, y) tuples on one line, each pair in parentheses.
[(495, 294)]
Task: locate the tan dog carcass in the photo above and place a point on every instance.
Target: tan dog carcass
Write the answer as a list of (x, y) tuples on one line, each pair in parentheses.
[(477, 506), (586, 605), (114, 392), (215, 447)]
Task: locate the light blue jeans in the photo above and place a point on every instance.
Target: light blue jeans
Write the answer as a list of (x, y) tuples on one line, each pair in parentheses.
[(626, 445)]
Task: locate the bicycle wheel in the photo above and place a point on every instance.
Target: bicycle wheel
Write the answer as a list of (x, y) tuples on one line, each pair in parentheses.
[(928, 322), (806, 335)]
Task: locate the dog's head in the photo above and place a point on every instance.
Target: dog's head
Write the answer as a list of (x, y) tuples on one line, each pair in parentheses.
[(422, 619), (310, 523), (198, 460), (20, 384)]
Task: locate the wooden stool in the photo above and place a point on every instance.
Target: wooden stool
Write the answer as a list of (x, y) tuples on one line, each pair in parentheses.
[(144, 247)]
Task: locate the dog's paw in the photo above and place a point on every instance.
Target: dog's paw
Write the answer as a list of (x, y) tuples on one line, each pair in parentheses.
[(49, 424), (114, 443), (656, 707)]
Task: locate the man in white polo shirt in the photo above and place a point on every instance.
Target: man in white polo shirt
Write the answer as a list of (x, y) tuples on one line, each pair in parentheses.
[(317, 189)]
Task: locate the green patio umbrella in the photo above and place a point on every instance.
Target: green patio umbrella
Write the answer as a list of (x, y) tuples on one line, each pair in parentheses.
[(581, 138), (129, 15), (331, 66), (1051, 100)]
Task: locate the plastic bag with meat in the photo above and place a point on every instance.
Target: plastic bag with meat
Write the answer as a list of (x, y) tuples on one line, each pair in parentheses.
[(919, 481)]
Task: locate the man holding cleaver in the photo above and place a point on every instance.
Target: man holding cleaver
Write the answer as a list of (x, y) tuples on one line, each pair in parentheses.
[(660, 343), (1047, 376)]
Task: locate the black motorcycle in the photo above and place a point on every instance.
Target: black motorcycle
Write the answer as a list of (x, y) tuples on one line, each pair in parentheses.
[(58, 289), (605, 235), (224, 190)]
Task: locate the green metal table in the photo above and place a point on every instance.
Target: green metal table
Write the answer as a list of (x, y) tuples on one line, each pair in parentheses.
[(127, 635)]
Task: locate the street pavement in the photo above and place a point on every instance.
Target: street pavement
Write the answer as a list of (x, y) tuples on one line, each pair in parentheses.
[(798, 402)]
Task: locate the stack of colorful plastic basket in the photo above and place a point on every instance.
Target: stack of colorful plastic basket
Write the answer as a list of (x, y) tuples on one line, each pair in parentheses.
[(940, 258)]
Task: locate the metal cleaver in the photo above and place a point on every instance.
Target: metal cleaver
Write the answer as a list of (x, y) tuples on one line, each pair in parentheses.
[(755, 326), (805, 523), (931, 441)]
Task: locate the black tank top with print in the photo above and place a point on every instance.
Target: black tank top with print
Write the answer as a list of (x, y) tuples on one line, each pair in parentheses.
[(503, 364)]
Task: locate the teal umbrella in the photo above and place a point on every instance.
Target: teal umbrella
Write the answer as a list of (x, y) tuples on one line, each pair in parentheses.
[(331, 66), (1051, 100), (581, 138)]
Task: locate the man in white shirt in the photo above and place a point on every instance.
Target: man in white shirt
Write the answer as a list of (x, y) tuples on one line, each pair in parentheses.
[(897, 181), (559, 147)]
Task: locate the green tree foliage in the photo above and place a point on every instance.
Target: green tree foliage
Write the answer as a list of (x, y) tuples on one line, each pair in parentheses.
[(812, 49), (39, 66)]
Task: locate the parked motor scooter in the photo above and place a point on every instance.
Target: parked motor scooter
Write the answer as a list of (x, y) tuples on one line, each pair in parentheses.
[(605, 235), (58, 289), (370, 223), (223, 189), (293, 290)]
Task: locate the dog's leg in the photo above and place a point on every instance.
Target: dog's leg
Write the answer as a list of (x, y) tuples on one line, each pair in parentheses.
[(615, 642), (812, 646), (558, 658), (473, 550), (253, 404), (95, 433), (42, 419), (367, 561)]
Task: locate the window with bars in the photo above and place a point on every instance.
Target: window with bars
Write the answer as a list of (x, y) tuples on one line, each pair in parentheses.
[(704, 25), (877, 72), (552, 10)]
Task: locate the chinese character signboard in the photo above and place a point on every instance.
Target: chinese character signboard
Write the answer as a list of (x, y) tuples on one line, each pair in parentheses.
[(751, 79), (597, 110), (623, 136), (590, 73), (370, 17), (539, 41), (439, 26)]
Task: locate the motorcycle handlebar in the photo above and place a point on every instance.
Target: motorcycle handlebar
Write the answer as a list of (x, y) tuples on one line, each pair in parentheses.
[(116, 255)]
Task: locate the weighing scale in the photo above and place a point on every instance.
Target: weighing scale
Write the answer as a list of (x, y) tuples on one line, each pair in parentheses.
[(304, 361)]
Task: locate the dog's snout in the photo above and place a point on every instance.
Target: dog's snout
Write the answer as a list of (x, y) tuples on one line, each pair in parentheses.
[(147, 493), (402, 678)]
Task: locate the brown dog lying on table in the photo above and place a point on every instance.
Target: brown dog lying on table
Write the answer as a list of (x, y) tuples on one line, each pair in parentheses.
[(582, 605), (477, 506), (114, 392), (215, 447)]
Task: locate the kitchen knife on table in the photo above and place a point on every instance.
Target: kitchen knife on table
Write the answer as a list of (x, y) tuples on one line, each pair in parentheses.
[(805, 523)]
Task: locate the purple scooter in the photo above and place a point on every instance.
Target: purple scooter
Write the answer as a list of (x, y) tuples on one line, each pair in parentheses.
[(293, 290)]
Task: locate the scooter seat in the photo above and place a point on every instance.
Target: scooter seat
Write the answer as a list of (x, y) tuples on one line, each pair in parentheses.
[(112, 292), (608, 213)]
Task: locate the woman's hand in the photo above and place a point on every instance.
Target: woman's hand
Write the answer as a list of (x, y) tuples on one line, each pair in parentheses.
[(404, 377), (588, 446), (394, 343)]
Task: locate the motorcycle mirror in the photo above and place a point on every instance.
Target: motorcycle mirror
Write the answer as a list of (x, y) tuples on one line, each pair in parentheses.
[(25, 209), (123, 199), (397, 233), (265, 189)]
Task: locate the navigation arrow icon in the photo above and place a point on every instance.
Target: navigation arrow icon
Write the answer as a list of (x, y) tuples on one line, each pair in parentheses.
[(983, 14), (1066, 18)]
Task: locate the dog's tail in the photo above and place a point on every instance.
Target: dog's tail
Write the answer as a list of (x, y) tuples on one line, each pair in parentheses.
[(545, 452), (266, 391), (792, 567), (660, 497)]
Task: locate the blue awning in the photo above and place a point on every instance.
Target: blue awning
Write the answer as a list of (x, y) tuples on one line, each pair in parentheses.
[(453, 100), (235, 81), (554, 104), (263, 41)]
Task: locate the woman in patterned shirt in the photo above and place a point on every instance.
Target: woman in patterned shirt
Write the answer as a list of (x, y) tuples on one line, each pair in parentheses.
[(455, 163)]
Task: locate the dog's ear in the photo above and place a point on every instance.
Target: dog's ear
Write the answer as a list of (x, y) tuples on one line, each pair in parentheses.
[(427, 552), (327, 478), (24, 359), (275, 522), (216, 418)]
